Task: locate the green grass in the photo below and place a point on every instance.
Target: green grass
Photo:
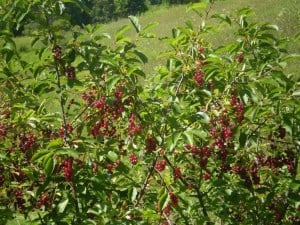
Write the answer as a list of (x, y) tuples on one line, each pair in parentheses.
[(284, 13)]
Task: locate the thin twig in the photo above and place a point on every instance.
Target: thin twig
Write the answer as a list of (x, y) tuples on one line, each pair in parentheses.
[(146, 182), (167, 218)]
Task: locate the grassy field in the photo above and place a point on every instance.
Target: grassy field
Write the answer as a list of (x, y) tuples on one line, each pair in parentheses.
[(284, 13)]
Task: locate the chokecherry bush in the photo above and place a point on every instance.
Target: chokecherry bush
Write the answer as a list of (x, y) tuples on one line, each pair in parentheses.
[(87, 137)]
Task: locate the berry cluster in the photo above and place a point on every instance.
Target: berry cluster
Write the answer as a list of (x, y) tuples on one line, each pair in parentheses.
[(44, 200), (206, 176), (19, 200), (118, 93), (177, 173), (100, 104), (133, 159), (89, 97), (26, 142), (103, 127), (202, 154), (70, 71), (240, 57), (243, 172), (151, 144), (17, 175), (238, 107), (56, 50), (70, 103), (134, 127), (65, 130), (288, 160), (174, 199), (199, 78), (111, 166), (160, 165), (108, 111), (67, 166)]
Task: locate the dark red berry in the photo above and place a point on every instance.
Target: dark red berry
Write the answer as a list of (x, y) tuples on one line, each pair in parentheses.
[(133, 159)]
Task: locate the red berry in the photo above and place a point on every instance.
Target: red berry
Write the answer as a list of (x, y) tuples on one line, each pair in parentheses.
[(174, 199), (133, 159), (160, 165), (198, 78), (150, 144), (176, 173), (240, 57), (67, 166), (206, 176)]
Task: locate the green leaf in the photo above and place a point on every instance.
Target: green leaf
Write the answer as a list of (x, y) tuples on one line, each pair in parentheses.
[(141, 56), (55, 143), (173, 139), (62, 206), (149, 26), (112, 81), (163, 200), (68, 152), (135, 22), (222, 17), (244, 11), (49, 165), (34, 40), (112, 156), (196, 6), (189, 135), (242, 139), (291, 57), (40, 155), (119, 35), (296, 93), (134, 194), (269, 27), (203, 117)]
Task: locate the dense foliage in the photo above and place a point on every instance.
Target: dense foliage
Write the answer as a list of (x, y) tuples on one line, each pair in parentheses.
[(86, 137)]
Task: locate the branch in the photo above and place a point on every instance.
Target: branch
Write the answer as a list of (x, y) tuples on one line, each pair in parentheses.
[(146, 182)]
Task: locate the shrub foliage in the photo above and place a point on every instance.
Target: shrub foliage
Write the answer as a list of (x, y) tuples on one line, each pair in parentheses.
[(86, 137)]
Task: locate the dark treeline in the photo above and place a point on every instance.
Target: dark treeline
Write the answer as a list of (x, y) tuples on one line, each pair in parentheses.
[(103, 11), (87, 12)]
